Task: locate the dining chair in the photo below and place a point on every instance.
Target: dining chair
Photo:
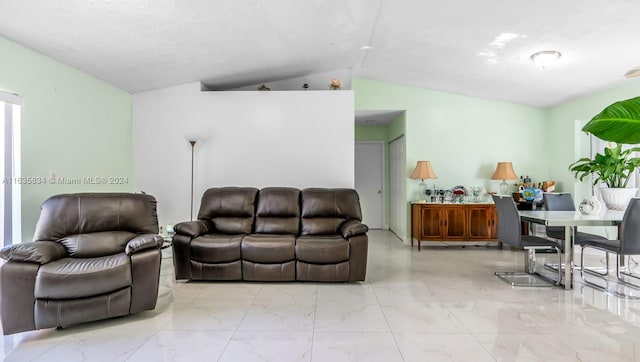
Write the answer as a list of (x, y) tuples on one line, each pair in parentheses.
[(510, 233), (627, 244), (563, 201)]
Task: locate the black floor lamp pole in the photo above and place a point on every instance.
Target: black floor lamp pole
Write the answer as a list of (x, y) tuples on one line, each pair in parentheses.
[(193, 145)]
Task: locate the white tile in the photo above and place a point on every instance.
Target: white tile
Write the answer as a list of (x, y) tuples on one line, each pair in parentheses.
[(496, 318), (347, 293), (268, 346), (109, 345), (422, 318), (180, 345), (441, 347), (214, 314), (524, 347), (350, 317), (366, 347), (279, 317)]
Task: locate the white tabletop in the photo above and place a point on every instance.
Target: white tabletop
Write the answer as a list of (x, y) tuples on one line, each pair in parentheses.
[(571, 218)]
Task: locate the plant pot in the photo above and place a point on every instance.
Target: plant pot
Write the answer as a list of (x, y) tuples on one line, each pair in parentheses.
[(617, 199)]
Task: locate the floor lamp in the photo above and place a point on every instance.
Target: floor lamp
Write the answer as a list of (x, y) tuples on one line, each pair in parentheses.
[(193, 146)]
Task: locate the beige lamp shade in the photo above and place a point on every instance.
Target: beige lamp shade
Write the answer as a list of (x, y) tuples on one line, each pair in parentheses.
[(504, 171), (423, 171)]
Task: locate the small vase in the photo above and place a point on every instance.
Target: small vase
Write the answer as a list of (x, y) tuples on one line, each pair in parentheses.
[(590, 206), (617, 198)]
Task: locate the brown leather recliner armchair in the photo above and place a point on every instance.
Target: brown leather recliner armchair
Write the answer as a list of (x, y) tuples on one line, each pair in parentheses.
[(94, 256)]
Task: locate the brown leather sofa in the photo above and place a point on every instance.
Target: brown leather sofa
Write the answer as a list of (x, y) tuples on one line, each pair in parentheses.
[(94, 256), (273, 234)]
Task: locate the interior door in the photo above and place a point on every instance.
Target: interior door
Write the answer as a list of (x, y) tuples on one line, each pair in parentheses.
[(398, 208), (369, 180)]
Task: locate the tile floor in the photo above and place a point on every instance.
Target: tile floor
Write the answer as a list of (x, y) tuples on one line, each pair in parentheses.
[(440, 304)]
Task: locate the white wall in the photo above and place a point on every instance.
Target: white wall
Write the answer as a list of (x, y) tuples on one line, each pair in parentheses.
[(296, 138)]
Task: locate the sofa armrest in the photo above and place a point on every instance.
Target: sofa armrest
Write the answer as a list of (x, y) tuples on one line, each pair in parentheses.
[(39, 252), (193, 228), (352, 228), (143, 242)]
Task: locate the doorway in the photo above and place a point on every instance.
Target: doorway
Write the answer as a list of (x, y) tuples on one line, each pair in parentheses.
[(369, 181)]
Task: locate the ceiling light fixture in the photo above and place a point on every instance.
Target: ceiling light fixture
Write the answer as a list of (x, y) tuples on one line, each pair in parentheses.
[(633, 72), (545, 58)]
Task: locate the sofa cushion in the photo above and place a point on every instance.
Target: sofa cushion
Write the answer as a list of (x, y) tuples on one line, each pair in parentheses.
[(322, 249), (278, 211), (69, 278), (323, 272), (324, 210), (230, 209), (217, 271), (277, 272), (216, 248), (264, 248)]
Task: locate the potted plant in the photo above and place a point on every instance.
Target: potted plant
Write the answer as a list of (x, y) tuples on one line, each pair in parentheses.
[(618, 123)]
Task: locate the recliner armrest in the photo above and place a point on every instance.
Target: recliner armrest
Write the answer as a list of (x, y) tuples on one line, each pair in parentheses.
[(353, 227), (39, 252), (143, 242), (193, 228)]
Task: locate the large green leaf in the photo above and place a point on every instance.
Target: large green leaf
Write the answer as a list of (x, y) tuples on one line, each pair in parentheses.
[(619, 122)]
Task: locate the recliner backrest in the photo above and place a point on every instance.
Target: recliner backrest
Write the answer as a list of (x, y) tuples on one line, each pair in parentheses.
[(95, 224), (509, 227), (230, 209), (278, 211), (325, 210)]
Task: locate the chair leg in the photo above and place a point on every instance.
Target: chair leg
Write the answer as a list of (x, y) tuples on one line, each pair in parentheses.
[(606, 289), (595, 273), (619, 274), (530, 261), (629, 273), (531, 277)]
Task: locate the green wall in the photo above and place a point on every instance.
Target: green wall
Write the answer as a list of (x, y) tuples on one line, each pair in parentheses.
[(72, 124), (463, 137), (567, 143)]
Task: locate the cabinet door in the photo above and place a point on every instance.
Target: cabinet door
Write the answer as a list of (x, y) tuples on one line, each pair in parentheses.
[(494, 223), (430, 222), (480, 222), (455, 222)]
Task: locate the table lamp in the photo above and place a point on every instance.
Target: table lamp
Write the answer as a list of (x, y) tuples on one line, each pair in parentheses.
[(423, 171), (504, 171)]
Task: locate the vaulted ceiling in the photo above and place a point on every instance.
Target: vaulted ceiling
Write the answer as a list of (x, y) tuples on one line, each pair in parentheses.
[(469, 47)]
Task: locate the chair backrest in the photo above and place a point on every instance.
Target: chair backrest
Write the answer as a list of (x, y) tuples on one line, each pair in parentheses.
[(96, 224), (509, 226), (230, 209), (278, 211), (325, 210), (630, 229), (557, 202)]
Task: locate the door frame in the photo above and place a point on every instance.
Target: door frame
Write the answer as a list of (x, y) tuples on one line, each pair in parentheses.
[(404, 210), (383, 169)]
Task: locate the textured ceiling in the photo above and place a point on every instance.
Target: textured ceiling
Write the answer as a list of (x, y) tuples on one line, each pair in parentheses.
[(475, 48)]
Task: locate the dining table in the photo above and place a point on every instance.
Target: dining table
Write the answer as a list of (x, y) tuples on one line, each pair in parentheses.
[(569, 219)]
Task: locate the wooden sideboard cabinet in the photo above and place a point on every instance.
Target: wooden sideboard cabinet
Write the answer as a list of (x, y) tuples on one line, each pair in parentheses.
[(453, 222)]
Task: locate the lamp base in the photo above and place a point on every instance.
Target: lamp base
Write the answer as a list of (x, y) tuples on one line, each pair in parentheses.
[(422, 187), (504, 187)]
